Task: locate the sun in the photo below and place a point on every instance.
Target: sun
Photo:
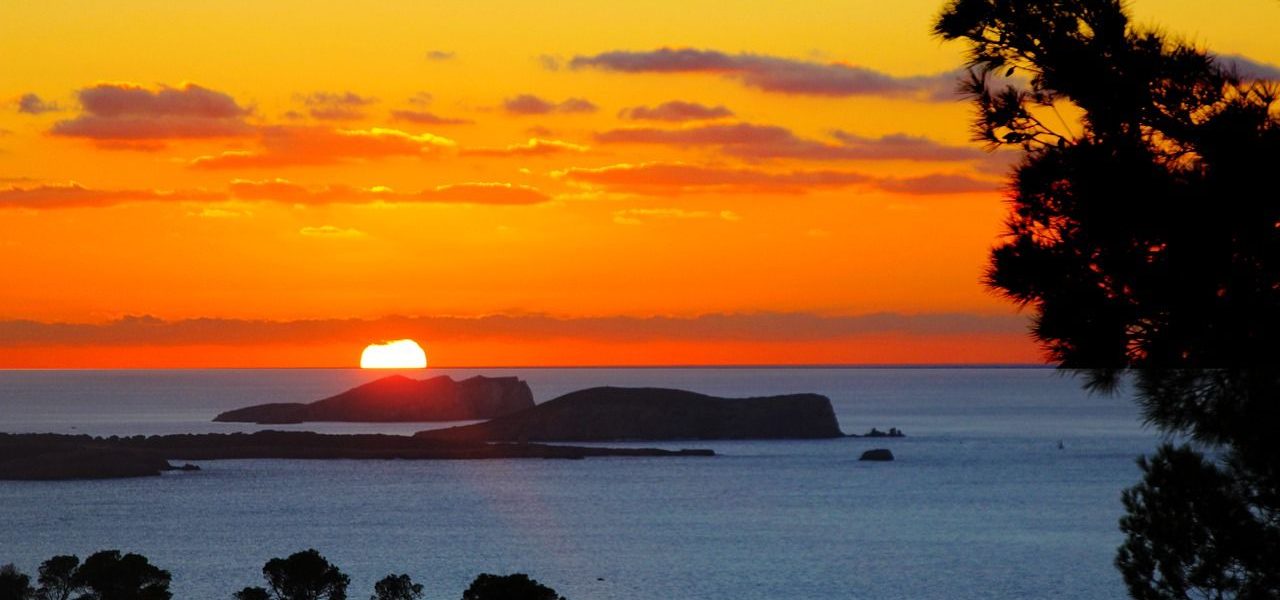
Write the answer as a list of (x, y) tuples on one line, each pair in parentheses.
[(394, 354)]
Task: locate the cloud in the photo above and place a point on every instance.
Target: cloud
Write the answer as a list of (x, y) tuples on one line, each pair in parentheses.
[(550, 62), (310, 146), (676, 178), (533, 147), (763, 326), (675, 111), (528, 104), (441, 55), (32, 104), (935, 184), (774, 74), (75, 195), (281, 190), (637, 216), (746, 140), (422, 117), (131, 113), (726, 135), (1249, 68), (329, 106), (576, 105), (487, 193), (212, 212), (666, 179), (900, 146), (330, 231)]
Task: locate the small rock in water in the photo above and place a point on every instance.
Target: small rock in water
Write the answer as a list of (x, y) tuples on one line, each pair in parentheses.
[(877, 454)]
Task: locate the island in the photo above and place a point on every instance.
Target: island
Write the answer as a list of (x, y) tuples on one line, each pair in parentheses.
[(56, 456), (877, 454), (616, 413), (397, 398)]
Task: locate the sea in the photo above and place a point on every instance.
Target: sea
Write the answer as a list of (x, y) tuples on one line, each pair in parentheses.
[(1007, 486)]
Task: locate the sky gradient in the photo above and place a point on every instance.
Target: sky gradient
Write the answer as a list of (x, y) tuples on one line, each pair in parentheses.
[(562, 183)]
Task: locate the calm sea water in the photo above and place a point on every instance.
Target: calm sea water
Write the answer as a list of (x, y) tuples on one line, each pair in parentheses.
[(981, 502)]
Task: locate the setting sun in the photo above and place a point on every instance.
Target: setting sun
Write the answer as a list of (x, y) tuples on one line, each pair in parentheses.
[(395, 354)]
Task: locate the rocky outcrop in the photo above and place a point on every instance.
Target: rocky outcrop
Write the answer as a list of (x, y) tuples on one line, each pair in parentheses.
[(614, 413), (400, 399), (893, 432), (53, 456), (877, 454)]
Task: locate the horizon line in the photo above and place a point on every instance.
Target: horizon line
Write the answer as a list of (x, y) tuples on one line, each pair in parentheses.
[(623, 366)]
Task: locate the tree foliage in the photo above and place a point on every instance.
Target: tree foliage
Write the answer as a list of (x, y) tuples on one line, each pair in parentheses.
[(517, 586), (252, 593), (1145, 237), (1192, 532), (14, 584), (109, 575), (396, 587), (57, 577), (303, 575)]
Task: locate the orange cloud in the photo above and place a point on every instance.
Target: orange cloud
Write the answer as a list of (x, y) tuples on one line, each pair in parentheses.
[(662, 179), (676, 178), (675, 111), (280, 190), (528, 104), (1247, 68), (775, 74), (76, 195), (533, 147), (746, 140), (938, 183), (329, 106), (487, 193), (32, 104), (331, 231), (728, 339), (309, 146), (637, 216), (127, 112), (422, 117), (765, 326)]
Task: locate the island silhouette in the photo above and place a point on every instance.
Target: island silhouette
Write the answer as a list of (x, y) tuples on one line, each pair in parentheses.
[(397, 398)]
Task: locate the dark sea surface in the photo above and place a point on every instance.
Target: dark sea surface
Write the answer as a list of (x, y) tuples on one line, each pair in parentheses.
[(980, 503)]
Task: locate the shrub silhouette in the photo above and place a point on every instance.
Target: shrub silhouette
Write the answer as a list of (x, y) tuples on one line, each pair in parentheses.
[(396, 587), (1147, 243), (517, 586)]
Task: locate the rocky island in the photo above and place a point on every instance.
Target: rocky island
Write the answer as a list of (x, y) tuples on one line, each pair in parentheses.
[(616, 413), (400, 399), (56, 456)]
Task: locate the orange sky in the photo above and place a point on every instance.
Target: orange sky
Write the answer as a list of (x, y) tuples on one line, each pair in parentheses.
[(234, 183)]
